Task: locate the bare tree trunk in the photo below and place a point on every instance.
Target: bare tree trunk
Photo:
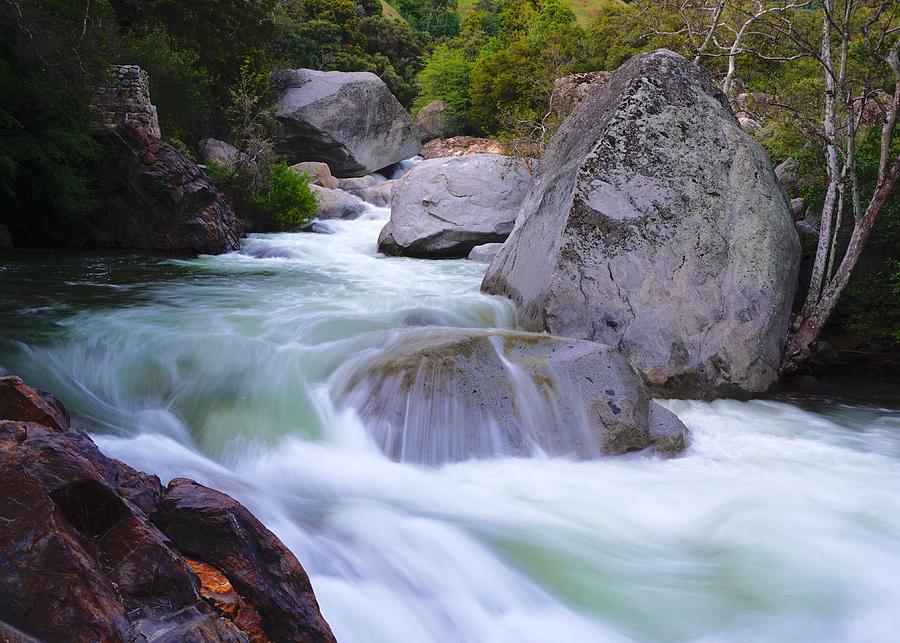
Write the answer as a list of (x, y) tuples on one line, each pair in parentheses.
[(800, 340)]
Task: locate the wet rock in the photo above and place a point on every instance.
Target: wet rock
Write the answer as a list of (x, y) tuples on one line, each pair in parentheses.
[(657, 225), (485, 253), (336, 204), (349, 120), (218, 592), (445, 207), (319, 173), (210, 527), (431, 120), (441, 396), (18, 401), (80, 558)]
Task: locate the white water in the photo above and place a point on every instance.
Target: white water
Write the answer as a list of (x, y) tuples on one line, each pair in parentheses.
[(779, 524)]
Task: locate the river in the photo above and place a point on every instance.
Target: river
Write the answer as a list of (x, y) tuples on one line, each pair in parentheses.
[(780, 523)]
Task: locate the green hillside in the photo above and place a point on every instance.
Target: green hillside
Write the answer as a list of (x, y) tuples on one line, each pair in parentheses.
[(585, 10)]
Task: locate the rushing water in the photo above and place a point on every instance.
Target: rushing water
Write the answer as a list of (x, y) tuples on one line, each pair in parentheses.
[(781, 522)]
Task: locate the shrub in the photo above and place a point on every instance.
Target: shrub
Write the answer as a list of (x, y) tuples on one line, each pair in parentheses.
[(287, 197)]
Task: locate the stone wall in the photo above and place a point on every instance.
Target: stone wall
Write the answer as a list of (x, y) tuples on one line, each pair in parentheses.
[(125, 100)]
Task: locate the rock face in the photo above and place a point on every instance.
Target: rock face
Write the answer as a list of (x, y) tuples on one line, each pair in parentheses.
[(125, 101), (217, 152), (430, 121), (156, 199), (657, 225), (319, 174), (336, 204), (449, 395), (569, 91), (445, 207), (86, 555), (349, 120)]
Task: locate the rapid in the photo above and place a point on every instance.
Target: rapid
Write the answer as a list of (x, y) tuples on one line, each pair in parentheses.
[(780, 523)]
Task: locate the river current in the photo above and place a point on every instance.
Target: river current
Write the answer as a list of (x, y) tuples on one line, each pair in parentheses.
[(780, 523)]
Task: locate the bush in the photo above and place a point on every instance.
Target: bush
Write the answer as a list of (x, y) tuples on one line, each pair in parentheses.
[(287, 197)]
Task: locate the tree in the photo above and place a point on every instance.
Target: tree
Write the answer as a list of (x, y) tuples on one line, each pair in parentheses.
[(868, 55)]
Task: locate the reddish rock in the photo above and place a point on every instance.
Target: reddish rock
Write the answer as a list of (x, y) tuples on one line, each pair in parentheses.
[(461, 146), (21, 402), (81, 561), (211, 527), (218, 592)]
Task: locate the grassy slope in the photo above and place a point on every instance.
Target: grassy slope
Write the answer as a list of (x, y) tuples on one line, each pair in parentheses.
[(585, 10)]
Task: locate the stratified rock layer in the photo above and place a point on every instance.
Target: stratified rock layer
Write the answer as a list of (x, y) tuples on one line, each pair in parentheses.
[(156, 199), (657, 225)]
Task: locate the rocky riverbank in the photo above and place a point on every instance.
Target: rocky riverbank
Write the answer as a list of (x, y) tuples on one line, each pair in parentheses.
[(93, 550)]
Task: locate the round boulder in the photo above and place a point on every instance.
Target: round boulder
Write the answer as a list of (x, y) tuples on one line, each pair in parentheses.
[(445, 207)]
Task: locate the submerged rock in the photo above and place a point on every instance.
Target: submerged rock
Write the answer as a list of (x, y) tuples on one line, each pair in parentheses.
[(449, 395), (657, 225), (445, 207), (83, 557), (349, 120)]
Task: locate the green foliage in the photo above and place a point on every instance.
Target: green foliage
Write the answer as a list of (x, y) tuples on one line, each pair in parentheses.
[(331, 36), (182, 88), (287, 197), (497, 76), (48, 161), (437, 18), (446, 77)]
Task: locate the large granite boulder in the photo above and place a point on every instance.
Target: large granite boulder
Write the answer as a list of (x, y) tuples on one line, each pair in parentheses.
[(445, 207), (349, 120), (441, 396), (657, 225), (156, 199), (93, 550)]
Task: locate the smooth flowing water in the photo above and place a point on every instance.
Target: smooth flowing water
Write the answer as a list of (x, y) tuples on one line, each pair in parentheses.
[(781, 522)]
